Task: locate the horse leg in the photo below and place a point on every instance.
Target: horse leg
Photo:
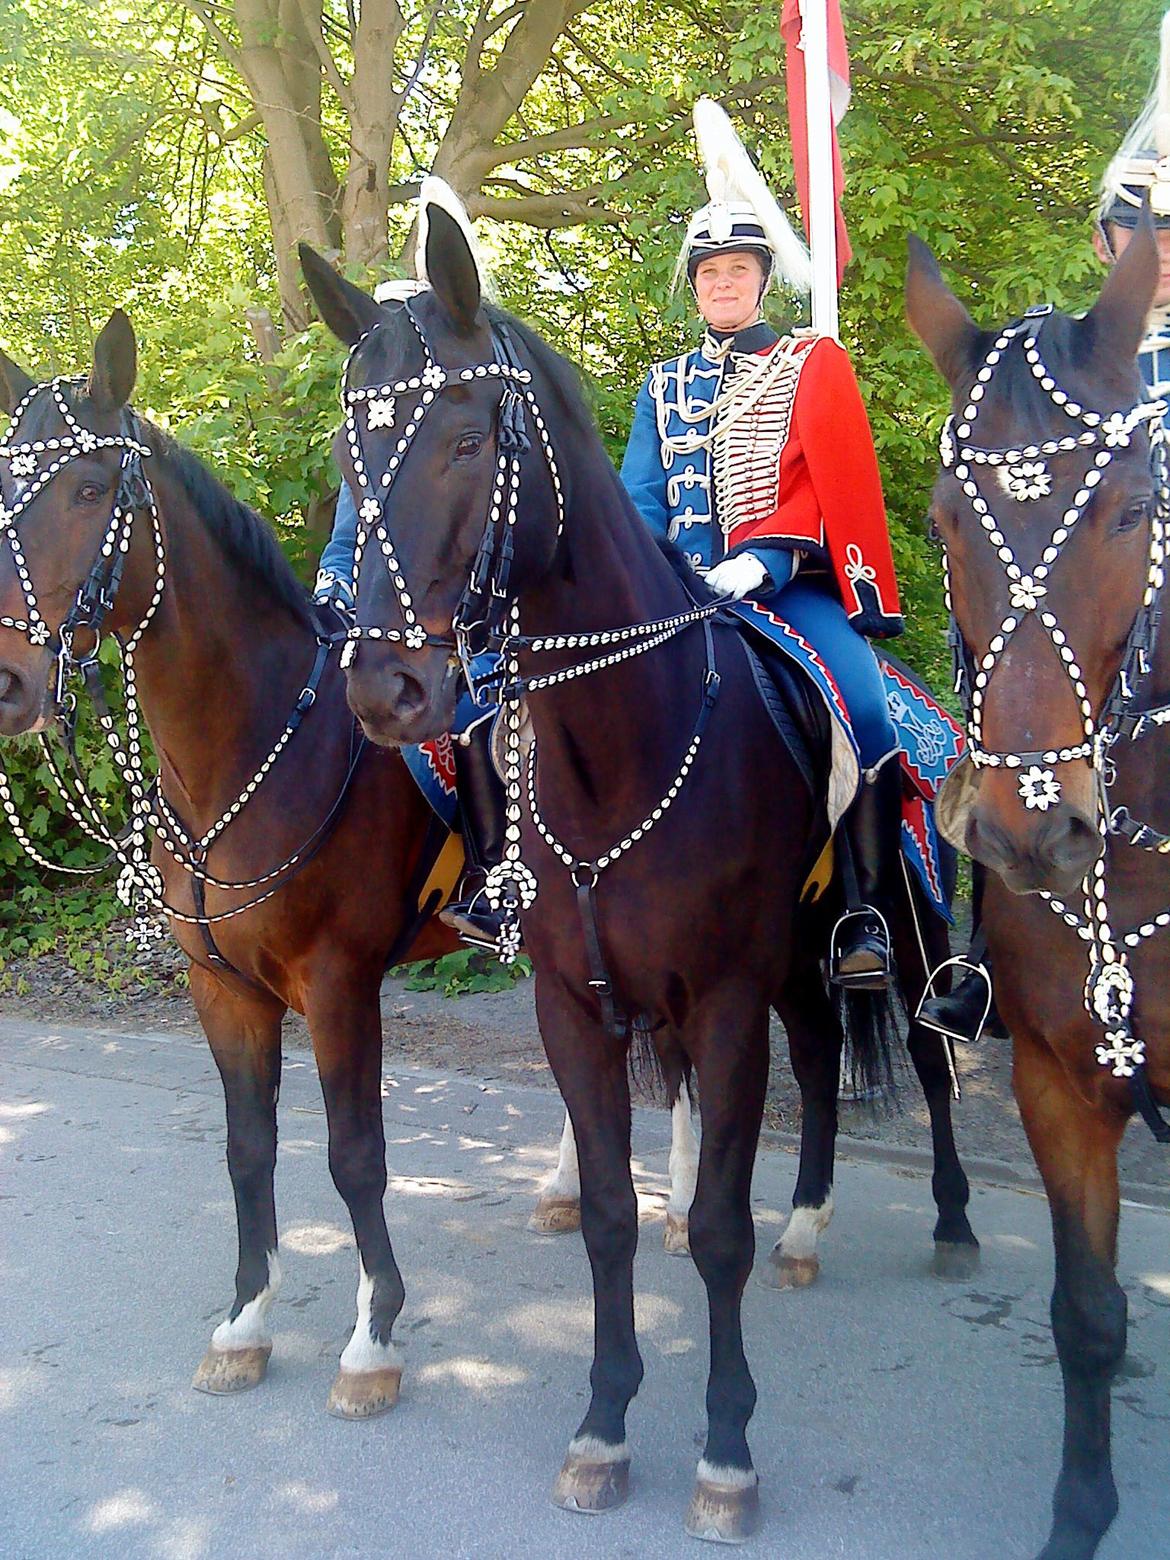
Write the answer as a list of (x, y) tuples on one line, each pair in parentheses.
[(346, 1027), (683, 1168), (558, 1209), (1075, 1145), (733, 1077), (591, 1074), (920, 940), (243, 1031), (814, 1045)]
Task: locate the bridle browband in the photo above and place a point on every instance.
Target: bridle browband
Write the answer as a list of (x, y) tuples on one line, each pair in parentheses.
[(1024, 475), (487, 617), (140, 884)]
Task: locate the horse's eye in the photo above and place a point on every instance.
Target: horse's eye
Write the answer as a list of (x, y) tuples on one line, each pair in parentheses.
[(1136, 514), (90, 492), (469, 446)]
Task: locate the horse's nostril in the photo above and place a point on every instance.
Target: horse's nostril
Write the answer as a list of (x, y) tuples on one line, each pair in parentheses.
[(7, 683), (409, 697)]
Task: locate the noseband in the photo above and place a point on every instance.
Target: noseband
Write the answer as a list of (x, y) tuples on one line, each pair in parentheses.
[(1024, 475), (481, 609), (140, 884), (487, 617), (95, 596)]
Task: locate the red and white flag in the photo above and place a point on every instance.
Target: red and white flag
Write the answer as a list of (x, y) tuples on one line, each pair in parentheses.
[(839, 91)]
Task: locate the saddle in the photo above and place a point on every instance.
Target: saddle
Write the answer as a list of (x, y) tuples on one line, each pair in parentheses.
[(799, 716)]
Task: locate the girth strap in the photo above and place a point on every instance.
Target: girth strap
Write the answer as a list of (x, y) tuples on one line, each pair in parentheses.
[(585, 874), (614, 1020)]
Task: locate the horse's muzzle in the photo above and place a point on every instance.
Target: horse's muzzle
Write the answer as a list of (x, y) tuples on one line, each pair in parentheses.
[(1051, 856), (23, 700), (401, 700)]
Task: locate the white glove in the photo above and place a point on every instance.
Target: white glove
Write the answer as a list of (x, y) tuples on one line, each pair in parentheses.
[(737, 577)]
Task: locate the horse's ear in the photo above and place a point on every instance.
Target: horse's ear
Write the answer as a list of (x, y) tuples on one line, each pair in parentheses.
[(451, 268), (15, 384), (1117, 321), (936, 316), (115, 365), (347, 310)]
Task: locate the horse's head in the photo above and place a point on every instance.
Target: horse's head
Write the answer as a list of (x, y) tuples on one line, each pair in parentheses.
[(432, 447), (63, 469), (1050, 508)]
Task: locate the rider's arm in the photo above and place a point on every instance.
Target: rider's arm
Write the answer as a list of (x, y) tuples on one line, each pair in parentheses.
[(642, 470), (335, 570), (837, 442)]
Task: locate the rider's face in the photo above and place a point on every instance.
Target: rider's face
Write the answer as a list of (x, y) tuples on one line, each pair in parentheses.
[(728, 288), (1119, 238)]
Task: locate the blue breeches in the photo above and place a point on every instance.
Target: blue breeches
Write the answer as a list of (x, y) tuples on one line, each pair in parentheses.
[(820, 617)]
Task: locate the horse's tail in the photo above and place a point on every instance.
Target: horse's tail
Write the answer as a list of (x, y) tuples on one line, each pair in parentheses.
[(650, 1076), (870, 1025)]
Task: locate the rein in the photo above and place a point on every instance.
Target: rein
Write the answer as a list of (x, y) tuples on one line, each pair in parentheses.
[(1023, 473), (487, 617), (140, 884)]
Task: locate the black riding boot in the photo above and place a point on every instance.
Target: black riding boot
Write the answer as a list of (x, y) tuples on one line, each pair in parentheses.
[(860, 955), (968, 1010), (481, 818)]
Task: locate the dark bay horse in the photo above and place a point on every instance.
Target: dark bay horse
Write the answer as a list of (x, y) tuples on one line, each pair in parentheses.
[(1052, 509), (689, 921), (221, 667)]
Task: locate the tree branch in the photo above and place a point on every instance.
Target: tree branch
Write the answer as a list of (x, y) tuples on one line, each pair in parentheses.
[(312, 25), (203, 11)]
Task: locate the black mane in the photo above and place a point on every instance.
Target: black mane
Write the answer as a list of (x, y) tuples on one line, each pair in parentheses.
[(244, 537), (562, 374)]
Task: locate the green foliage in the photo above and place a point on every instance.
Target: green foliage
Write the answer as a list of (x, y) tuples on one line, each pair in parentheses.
[(466, 971), (983, 129)]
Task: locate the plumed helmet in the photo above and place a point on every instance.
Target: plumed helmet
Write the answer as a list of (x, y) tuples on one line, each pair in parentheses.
[(741, 213), (1141, 168)]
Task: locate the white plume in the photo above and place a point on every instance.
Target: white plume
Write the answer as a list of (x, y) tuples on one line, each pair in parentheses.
[(437, 192), (733, 178), (1150, 130)]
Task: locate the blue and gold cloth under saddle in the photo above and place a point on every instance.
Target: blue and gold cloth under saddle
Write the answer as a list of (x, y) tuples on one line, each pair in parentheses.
[(930, 743)]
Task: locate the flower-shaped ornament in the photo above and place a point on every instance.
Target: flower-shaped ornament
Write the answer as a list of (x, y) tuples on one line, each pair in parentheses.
[(1025, 593), (1039, 788), (1027, 480), (1121, 1052), (1115, 431)]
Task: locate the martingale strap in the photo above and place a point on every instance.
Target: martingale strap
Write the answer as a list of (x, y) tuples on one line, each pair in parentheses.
[(33, 464), (585, 874)]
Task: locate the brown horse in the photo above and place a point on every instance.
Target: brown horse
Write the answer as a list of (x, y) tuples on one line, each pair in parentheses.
[(1052, 507), (485, 464), (220, 668)]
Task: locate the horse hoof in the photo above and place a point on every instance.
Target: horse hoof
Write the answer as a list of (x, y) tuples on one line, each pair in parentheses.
[(363, 1394), (723, 1513), (781, 1272), (677, 1240), (231, 1370), (556, 1216), (954, 1259), (588, 1486)]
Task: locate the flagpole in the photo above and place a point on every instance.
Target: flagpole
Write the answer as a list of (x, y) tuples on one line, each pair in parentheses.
[(822, 213)]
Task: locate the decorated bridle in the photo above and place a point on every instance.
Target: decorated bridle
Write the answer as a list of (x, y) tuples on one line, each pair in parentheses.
[(487, 617), (1023, 475), (32, 464)]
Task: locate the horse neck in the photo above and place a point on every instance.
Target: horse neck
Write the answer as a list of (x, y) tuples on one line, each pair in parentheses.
[(219, 668), (604, 734)]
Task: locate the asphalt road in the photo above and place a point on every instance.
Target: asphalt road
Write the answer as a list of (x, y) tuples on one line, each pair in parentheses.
[(899, 1416)]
